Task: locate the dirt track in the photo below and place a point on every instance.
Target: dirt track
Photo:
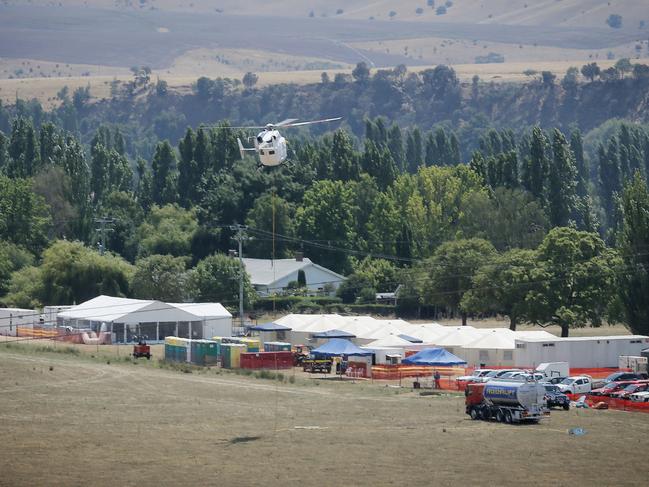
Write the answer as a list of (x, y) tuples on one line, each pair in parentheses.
[(89, 423)]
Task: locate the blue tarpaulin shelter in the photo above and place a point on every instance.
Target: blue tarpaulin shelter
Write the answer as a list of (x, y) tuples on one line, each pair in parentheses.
[(434, 356), (334, 334), (337, 347), (270, 326)]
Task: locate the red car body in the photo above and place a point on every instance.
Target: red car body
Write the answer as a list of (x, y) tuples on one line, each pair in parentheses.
[(639, 386), (611, 388)]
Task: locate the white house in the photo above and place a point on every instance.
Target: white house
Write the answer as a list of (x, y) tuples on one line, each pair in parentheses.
[(271, 276)]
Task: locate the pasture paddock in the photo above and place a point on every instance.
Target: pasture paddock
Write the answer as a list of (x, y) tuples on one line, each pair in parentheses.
[(86, 422)]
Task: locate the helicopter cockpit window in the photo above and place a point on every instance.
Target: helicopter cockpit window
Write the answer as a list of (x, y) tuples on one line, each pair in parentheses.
[(260, 138), (271, 152)]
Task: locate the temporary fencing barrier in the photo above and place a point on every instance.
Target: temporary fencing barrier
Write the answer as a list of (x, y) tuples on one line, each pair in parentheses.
[(596, 373), (267, 360), (39, 332), (401, 371), (612, 402)]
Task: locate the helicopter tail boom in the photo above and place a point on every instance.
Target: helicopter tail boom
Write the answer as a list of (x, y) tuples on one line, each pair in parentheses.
[(243, 150)]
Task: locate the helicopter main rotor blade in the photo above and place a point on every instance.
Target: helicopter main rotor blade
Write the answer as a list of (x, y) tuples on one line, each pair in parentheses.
[(299, 124), (285, 122)]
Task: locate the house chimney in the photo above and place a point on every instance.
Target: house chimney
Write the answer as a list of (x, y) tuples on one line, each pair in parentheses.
[(299, 256)]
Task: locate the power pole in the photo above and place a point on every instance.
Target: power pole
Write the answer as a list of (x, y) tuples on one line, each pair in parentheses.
[(103, 221), (240, 236)]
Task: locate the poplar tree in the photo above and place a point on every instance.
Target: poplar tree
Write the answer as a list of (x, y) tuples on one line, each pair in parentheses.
[(395, 144), (609, 177), (538, 164), (577, 148), (561, 182), (164, 178), (634, 242), (343, 158)]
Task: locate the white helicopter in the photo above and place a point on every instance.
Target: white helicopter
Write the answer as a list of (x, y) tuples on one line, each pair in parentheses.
[(270, 144)]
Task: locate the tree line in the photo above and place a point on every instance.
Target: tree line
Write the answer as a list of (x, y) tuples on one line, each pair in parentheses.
[(387, 209)]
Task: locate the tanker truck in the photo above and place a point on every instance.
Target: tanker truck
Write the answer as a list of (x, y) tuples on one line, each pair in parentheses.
[(506, 401)]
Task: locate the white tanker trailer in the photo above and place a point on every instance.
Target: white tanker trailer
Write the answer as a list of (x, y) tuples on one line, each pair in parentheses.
[(506, 401)]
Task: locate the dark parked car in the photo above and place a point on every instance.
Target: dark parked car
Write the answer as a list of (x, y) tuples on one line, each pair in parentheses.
[(554, 397)]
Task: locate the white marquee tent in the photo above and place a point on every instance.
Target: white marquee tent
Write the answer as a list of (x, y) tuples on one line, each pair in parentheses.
[(125, 318)]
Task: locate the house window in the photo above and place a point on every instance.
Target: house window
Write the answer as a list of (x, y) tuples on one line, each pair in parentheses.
[(520, 345), (548, 344), (508, 355), (484, 356)]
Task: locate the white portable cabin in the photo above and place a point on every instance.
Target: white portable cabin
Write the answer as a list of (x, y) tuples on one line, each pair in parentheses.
[(580, 352), (10, 318)]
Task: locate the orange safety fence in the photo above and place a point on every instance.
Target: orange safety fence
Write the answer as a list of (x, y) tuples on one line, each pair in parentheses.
[(613, 403), (36, 332), (596, 373), (398, 372)]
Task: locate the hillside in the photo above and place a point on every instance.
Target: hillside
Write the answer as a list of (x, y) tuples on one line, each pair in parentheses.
[(188, 38), (576, 13)]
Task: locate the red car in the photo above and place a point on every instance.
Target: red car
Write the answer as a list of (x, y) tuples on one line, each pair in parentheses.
[(638, 386), (611, 387)]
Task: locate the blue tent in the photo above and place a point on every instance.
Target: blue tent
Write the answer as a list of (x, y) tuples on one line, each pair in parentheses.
[(334, 334), (411, 339), (270, 326), (338, 346), (434, 356)]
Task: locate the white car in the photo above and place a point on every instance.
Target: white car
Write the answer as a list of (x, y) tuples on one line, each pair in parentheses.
[(640, 396), (477, 373), (497, 374), (579, 384), (527, 376)]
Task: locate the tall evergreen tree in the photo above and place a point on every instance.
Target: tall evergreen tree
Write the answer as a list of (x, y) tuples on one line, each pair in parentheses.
[(99, 170), (432, 154), (538, 164), (561, 182), (509, 169), (577, 148), (344, 163), (4, 156), (395, 144), (634, 281), (609, 177), (164, 174), (418, 146)]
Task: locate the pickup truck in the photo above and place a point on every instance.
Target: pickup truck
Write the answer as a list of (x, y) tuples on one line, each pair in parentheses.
[(315, 365), (580, 384)]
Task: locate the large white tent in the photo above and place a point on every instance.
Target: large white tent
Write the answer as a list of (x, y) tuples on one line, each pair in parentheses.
[(493, 348), (457, 337), (125, 318)]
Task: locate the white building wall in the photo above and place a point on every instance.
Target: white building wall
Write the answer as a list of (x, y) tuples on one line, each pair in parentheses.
[(596, 352), (217, 327), (491, 357), (12, 317)]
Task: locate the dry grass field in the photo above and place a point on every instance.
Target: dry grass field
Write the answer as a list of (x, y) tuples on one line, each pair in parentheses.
[(74, 420), (45, 89)]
